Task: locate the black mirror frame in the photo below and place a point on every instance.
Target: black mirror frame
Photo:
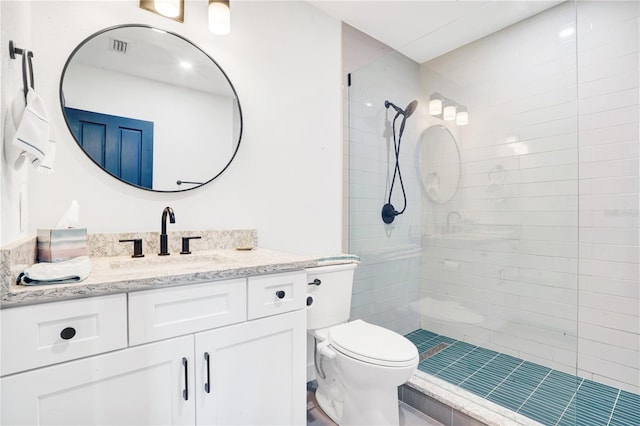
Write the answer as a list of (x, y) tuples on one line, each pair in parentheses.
[(233, 89)]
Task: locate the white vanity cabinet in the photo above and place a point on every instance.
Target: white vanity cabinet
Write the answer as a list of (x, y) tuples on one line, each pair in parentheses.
[(254, 373), (193, 357), (142, 385)]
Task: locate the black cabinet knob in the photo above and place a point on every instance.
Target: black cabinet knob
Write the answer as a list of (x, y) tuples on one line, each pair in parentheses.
[(309, 301), (68, 333), (280, 294)]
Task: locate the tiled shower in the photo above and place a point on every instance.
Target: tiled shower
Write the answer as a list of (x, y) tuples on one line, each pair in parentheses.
[(530, 248)]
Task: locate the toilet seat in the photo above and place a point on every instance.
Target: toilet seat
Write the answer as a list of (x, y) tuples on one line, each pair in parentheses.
[(372, 344)]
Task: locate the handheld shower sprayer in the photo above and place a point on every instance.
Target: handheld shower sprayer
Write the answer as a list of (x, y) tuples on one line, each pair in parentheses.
[(406, 112), (388, 211)]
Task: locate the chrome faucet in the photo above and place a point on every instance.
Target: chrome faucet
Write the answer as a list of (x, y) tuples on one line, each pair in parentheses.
[(164, 240), (452, 212)]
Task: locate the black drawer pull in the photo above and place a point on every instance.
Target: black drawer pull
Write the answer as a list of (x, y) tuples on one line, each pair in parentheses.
[(68, 333), (315, 282), (185, 392), (207, 386), (280, 294)]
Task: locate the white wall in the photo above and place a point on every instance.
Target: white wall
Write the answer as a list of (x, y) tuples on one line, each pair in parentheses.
[(284, 61), (12, 183), (570, 155)]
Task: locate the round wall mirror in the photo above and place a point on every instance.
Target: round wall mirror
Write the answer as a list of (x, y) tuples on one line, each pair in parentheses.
[(151, 108), (439, 164)]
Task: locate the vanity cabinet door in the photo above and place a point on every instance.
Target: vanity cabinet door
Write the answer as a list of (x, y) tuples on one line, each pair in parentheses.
[(138, 386), (253, 373)]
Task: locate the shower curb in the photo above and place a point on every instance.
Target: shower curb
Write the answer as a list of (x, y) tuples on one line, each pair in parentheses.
[(453, 406)]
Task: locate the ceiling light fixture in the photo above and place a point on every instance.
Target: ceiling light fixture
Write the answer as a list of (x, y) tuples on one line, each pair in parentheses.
[(219, 17), (173, 9)]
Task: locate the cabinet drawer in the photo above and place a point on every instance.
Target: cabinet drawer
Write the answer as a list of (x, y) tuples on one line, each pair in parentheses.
[(163, 313), (34, 336), (275, 294)]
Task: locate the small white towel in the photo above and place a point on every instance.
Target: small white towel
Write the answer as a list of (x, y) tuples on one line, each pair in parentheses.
[(46, 166), (74, 270), (33, 137), (12, 153)]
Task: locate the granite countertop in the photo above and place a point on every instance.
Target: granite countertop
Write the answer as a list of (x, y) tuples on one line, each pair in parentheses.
[(119, 274)]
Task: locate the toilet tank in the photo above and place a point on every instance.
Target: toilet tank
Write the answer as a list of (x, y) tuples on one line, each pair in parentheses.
[(331, 299)]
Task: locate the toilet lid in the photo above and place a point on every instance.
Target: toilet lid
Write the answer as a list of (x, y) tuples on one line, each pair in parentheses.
[(370, 343)]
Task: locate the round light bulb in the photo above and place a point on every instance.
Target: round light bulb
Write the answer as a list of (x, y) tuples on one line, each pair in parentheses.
[(219, 17)]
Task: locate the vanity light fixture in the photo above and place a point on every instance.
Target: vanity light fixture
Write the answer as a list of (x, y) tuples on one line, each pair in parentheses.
[(435, 104), (462, 116), (173, 9), (219, 17), (448, 109)]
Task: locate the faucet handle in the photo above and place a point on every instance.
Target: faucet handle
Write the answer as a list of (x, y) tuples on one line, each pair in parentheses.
[(185, 244), (137, 246)]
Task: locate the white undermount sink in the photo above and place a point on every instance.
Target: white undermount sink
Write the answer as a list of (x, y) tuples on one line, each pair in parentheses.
[(174, 260)]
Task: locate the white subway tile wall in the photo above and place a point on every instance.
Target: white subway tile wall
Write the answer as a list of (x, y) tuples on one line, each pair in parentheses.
[(514, 261), (608, 96), (549, 193), (543, 262)]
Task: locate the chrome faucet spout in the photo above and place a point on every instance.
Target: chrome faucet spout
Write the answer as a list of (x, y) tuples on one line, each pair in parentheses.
[(164, 240)]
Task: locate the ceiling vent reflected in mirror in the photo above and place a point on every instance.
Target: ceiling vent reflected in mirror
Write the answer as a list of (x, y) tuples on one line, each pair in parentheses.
[(119, 46)]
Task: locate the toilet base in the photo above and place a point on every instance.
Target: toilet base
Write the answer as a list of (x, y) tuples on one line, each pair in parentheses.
[(330, 408), (380, 407)]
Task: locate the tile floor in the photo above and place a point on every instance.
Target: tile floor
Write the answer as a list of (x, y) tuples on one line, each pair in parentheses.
[(409, 416), (548, 396)]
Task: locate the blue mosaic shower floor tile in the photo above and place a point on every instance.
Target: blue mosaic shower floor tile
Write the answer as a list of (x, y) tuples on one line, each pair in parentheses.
[(548, 396)]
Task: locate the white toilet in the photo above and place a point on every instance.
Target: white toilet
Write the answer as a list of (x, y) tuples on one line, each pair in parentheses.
[(358, 365)]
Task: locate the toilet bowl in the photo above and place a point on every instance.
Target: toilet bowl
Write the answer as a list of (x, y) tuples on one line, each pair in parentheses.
[(358, 365)]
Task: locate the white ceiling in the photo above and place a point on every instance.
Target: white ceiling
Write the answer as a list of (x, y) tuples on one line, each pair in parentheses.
[(425, 29)]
